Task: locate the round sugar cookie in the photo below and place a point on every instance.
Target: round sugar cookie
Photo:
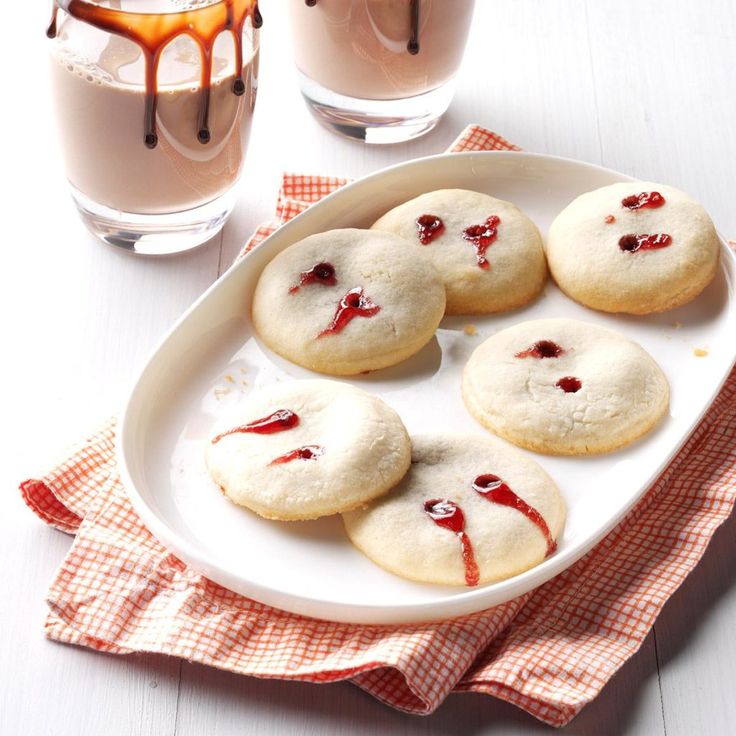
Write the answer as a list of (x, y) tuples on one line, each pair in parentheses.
[(348, 301), (305, 449), (633, 247), (489, 254), (564, 387), (471, 510)]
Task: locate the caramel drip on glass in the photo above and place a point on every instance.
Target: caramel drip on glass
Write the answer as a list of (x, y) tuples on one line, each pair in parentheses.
[(412, 45), (51, 28), (152, 32), (238, 84), (257, 17)]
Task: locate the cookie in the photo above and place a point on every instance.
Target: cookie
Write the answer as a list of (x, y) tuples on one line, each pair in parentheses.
[(471, 510), (564, 387), (305, 449), (348, 301), (633, 247), (487, 251)]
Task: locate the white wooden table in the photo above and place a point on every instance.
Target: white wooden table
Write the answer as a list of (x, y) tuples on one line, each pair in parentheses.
[(645, 87)]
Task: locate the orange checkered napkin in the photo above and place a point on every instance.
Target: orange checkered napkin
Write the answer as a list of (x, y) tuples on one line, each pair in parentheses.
[(550, 652)]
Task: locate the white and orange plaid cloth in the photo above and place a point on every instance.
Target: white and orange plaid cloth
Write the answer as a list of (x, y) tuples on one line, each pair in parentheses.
[(550, 652)]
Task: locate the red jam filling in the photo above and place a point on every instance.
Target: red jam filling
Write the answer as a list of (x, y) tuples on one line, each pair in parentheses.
[(321, 273), (279, 421), (448, 515), (354, 304), (569, 384), (542, 349), (308, 452), (482, 237), (428, 228), (493, 489), (648, 200), (633, 243)]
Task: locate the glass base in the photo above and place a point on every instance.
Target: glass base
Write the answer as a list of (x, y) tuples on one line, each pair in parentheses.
[(376, 121), (155, 235)]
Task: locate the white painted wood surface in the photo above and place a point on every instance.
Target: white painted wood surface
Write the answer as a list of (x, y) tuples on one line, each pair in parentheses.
[(648, 88)]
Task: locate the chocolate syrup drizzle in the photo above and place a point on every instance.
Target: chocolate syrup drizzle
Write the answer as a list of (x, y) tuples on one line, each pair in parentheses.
[(152, 32), (412, 45), (51, 28)]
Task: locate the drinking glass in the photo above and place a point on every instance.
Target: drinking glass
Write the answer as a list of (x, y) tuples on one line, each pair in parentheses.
[(154, 101), (379, 70)]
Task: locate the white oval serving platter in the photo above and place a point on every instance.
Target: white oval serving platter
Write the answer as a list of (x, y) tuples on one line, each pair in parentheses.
[(211, 360)]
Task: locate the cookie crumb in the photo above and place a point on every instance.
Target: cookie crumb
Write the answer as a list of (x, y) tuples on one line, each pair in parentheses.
[(610, 219), (700, 352), (229, 378), (470, 330), (677, 325), (220, 392)]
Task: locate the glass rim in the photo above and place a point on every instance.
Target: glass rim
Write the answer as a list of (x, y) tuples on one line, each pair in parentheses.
[(192, 7)]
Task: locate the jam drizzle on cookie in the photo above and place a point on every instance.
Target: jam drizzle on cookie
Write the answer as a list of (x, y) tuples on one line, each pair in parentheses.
[(320, 273), (448, 515), (279, 421), (569, 384), (633, 243), (354, 304), (482, 237), (542, 349), (308, 452), (429, 227), (648, 200), (493, 489)]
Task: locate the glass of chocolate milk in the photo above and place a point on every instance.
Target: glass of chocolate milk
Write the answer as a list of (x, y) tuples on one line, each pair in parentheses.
[(154, 101), (379, 70)]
